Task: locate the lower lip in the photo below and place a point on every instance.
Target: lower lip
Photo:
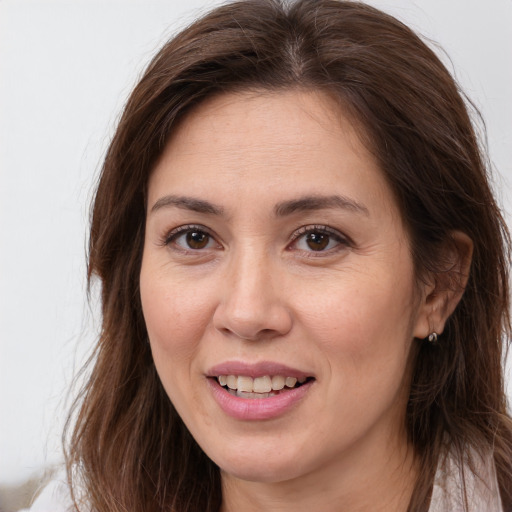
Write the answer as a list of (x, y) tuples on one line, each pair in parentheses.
[(252, 409)]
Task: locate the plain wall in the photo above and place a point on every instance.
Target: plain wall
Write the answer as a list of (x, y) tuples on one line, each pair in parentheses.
[(66, 68)]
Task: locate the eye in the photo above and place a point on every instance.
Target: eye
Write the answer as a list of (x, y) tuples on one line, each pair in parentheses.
[(193, 238), (318, 239)]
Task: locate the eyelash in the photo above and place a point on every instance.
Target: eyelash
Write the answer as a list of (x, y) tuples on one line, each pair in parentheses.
[(341, 240), (333, 234), (172, 236)]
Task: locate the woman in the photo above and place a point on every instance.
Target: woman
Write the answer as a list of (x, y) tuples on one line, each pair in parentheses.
[(304, 278)]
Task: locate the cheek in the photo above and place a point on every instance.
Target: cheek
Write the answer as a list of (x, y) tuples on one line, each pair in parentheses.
[(363, 328), (360, 313), (176, 317)]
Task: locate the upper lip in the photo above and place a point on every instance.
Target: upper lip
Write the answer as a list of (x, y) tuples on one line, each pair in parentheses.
[(254, 370)]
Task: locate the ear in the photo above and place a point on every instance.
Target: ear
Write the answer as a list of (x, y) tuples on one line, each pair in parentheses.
[(443, 288)]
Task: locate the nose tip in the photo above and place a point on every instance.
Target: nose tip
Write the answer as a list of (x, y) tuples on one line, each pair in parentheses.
[(251, 309), (249, 325)]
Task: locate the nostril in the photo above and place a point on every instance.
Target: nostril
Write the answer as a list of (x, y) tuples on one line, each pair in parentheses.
[(252, 318), (248, 335)]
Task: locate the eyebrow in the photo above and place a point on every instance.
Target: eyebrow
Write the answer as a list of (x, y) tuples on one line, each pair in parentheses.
[(187, 203), (316, 202), (283, 209)]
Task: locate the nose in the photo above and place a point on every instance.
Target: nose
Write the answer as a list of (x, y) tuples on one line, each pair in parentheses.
[(252, 305)]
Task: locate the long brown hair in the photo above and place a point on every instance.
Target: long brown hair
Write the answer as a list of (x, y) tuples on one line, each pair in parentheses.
[(129, 448)]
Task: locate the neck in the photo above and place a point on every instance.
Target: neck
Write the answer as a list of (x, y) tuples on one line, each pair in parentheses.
[(376, 481)]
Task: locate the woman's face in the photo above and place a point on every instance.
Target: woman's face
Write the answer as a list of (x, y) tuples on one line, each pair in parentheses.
[(276, 263)]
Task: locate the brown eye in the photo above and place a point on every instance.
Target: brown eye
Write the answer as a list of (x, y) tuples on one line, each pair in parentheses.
[(317, 241), (191, 238), (197, 239)]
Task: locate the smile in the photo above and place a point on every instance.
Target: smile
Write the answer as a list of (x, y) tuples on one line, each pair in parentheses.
[(255, 392), (266, 386)]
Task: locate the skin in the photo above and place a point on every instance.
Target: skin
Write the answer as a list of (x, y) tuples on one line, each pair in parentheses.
[(257, 291)]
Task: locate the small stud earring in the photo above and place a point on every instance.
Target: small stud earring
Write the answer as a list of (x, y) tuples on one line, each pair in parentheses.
[(432, 337)]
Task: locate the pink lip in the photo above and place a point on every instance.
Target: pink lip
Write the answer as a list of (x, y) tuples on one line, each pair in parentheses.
[(251, 409), (255, 369)]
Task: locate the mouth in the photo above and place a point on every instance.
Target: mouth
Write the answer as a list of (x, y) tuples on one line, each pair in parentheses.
[(266, 386), (258, 391)]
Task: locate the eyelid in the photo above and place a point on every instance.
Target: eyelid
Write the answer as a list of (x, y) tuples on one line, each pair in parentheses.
[(173, 234), (341, 238)]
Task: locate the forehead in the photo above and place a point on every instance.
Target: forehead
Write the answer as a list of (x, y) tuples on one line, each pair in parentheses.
[(280, 143), (241, 121)]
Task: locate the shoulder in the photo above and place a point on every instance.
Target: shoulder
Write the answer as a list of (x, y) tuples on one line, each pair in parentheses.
[(54, 497), (466, 483)]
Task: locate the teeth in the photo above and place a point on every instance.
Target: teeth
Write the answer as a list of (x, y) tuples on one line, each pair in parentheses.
[(232, 381), (243, 394), (290, 382), (260, 385), (278, 382), (245, 384)]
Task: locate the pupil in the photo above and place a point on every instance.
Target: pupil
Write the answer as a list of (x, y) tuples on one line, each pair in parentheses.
[(197, 239), (317, 241)]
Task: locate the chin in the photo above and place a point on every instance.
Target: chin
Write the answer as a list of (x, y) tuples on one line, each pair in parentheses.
[(262, 474), (269, 465)]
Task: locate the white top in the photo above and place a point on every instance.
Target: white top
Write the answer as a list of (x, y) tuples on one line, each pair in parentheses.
[(482, 492), (55, 497), (447, 496)]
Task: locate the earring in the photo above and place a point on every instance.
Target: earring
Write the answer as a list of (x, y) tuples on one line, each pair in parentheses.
[(432, 337)]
